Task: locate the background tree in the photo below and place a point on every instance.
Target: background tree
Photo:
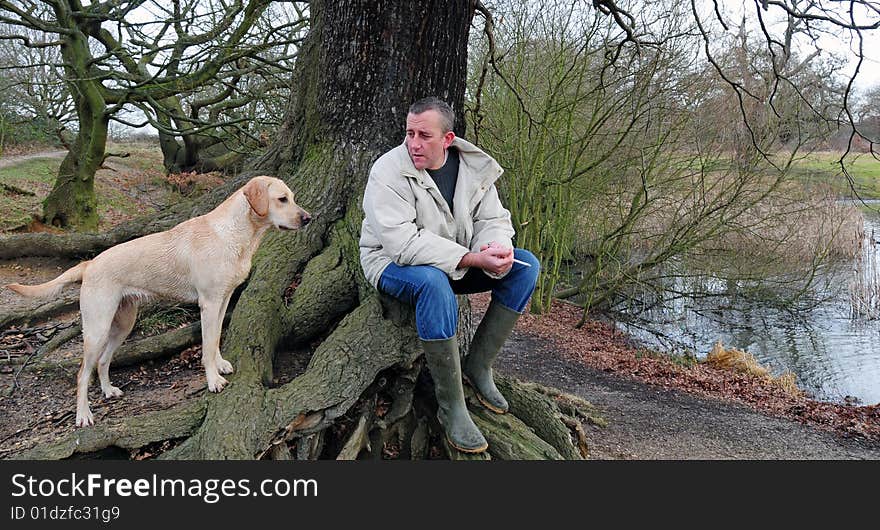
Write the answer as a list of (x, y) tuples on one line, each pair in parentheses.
[(214, 126), (869, 116), (34, 99), (107, 65)]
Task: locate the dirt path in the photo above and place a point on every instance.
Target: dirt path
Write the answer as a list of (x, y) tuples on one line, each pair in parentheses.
[(651, 423), (7, 161)]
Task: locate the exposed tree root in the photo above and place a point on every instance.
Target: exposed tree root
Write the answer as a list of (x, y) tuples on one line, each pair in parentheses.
[(571, 405), (158, 346), (59, 339), (537, 410), (360, 438), (510, 438), (293, 421), (338, 374), (325, 293), (130, 353), (37, 311), (128, 433), (11, 188)]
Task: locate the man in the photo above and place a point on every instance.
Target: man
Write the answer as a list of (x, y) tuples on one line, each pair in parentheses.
[(433, 228)]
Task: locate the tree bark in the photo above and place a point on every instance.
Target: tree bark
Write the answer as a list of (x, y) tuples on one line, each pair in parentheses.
[(360, 67), (72, 201)]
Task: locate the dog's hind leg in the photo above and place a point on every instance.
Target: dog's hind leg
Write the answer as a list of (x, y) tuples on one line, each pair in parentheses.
[(122, 325), (97, 307), (212, 323)]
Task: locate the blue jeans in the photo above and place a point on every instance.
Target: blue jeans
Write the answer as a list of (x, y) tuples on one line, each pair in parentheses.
[(433, 294)]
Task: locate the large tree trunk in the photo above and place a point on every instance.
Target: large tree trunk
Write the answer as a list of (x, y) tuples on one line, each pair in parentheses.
[(174, 155), (364, 391), (356, 76), (177, 155), (72, 201)]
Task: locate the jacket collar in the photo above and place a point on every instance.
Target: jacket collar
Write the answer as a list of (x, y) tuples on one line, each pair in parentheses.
[(479, 169)]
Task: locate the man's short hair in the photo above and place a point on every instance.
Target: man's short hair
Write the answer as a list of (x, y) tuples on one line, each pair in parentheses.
[(447, 116)]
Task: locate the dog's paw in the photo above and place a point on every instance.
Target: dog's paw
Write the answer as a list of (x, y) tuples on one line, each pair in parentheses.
[(84, 419), (216, 384), (112, 392), (224, 366)]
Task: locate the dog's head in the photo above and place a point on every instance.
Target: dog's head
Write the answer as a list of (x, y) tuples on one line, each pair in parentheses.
[(272, 201)]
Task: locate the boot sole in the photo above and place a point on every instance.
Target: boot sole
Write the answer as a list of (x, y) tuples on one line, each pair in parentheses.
[(471, 451), (488, 405), (483, 400)]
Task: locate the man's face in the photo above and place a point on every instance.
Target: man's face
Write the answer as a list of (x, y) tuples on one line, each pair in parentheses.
[(425, 140)]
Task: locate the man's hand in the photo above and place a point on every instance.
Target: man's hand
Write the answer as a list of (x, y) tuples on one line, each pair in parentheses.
[(492, 258), (493, 244)]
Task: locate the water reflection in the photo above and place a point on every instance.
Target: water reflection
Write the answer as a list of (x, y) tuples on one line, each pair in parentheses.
[(833, 356)]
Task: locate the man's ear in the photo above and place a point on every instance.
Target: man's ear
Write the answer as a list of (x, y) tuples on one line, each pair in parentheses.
[(447, 139), (257, 193)]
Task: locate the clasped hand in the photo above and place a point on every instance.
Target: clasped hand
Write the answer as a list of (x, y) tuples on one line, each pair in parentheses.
[(495, 258)]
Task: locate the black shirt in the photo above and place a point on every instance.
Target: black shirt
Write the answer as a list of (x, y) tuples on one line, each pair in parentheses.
[(446, 176)]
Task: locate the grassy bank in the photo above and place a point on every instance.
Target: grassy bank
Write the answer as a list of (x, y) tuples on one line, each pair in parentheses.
[(22, 188), (127, 187), (823, 168)]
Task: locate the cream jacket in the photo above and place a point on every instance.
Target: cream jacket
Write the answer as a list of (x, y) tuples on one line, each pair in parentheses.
[(408, 222)]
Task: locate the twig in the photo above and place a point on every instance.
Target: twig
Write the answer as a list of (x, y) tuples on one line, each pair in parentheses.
[(489, 30), (56, 341), (30, 356), (15, 189), (59, 339)]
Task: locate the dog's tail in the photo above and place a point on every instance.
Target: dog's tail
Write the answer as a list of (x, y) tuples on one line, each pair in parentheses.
[(53, 287)]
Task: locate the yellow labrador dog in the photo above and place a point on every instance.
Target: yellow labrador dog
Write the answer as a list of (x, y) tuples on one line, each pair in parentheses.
[(203, 259)]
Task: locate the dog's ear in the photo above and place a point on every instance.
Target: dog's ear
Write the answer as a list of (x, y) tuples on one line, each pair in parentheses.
[(257, 194)]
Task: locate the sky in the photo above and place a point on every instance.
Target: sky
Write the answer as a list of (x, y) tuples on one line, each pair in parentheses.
[(869, 70), (836, 40)]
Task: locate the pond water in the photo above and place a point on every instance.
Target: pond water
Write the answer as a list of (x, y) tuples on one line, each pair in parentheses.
[(834, 356)]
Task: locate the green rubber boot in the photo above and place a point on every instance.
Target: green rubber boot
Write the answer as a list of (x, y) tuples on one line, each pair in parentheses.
[(493, 330), (445, 366)]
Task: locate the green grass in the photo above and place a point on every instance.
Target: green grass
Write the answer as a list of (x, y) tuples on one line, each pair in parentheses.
[(165, 318), (36, 176), (37, 169), (684, 359), (142, 156), (113, 201), (24, 185), (824, 168)]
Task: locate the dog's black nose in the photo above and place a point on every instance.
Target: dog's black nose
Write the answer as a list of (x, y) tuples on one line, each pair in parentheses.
[(306, 218)]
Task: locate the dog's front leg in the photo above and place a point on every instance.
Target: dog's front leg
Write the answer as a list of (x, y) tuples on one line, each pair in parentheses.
[(211, 327), (224, 366)]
